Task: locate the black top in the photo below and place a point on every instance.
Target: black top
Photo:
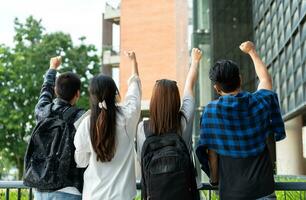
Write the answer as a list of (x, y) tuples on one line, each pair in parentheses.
[(246, 178), (58, 105)]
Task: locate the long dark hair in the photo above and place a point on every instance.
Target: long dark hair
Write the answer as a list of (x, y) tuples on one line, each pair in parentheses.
[(103, 120), (165, 106)]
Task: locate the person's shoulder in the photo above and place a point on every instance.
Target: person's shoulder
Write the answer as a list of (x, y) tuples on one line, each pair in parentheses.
[(44, 111), (209, 109), (265, 94), (211, 105), (84, 118), (140, 124), (79, 113)]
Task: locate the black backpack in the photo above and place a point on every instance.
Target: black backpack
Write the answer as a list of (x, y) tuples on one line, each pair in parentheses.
[(167, 168), (50, 152)]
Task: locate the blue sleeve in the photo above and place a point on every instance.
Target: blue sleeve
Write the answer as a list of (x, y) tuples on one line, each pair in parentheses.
[(277, 123), (46, 94), (201, 150), (277, 126)]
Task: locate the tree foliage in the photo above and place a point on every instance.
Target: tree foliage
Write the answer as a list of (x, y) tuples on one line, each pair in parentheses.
[(21, 75)]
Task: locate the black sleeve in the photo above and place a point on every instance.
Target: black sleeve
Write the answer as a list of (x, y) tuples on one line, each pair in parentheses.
[(46, 94)]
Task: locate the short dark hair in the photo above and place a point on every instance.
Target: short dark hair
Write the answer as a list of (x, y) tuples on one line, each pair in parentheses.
[(67, 85), (225, 73)]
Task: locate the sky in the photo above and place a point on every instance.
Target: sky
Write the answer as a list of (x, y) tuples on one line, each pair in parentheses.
[(76, 17)]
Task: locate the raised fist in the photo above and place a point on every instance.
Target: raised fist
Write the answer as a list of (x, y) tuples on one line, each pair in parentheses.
[(55, 62), (196, 54), (130, 54), (247, 47)]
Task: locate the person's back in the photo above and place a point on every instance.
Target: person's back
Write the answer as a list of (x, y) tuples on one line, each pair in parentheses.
[(235, 129), (65, 184), (245, 168), (164, 142), (104, 139), (114, 179)]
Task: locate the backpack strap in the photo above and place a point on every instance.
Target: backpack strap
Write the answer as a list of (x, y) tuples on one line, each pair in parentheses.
[(70, 112), (146, 129)]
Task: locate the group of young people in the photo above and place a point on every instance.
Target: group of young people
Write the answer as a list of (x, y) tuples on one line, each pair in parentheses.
[(75, 154)]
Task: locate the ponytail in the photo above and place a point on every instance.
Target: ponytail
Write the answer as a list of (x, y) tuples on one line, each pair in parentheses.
[(103, 117)]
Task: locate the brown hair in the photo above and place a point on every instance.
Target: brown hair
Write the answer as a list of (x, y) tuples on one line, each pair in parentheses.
[(165, 106), (103, 119)]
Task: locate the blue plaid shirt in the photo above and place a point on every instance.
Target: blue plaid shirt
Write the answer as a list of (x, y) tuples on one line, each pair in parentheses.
[(238, 126)]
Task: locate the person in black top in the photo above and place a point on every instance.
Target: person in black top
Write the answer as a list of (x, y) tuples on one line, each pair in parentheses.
[(66, 88)]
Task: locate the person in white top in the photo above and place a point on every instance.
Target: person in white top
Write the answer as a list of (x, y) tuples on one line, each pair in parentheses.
[(104, 140)]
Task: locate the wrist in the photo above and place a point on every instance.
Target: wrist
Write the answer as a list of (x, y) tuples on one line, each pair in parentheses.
[(252, 52), (213, 183), (52, 67), (195, 61)]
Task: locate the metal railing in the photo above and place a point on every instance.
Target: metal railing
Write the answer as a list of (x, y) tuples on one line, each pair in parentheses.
[(6, 188)]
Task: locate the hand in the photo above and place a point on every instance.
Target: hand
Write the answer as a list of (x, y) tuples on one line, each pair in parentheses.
[(247, 47), (55, 62), (196, 55), (131, 55)]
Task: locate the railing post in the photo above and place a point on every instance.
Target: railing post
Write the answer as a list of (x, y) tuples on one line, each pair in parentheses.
[(7, 194), (30, 194), (18, 193)]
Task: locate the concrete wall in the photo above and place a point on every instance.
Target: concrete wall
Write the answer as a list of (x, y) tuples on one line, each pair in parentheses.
[(289, 152)]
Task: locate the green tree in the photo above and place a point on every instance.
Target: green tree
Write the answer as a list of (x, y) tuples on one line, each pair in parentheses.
[(21, 75), (5, 166)]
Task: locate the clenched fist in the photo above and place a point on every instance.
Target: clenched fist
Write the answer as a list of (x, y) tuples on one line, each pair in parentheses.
[(55, 62), (196, 55), (131, 55), (247, 47)]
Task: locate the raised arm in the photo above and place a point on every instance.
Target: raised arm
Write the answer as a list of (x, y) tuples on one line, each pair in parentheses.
[(47, 91), (132, 57), (192, 75), (265, 80), (132, 100)]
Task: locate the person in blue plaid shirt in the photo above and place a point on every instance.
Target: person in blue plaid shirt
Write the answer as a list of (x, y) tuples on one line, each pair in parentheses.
[(234, 130)]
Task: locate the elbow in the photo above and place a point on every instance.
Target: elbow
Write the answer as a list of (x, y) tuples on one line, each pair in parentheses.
[(267, 82), (269, 79), (81, 161), (80, 164)]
